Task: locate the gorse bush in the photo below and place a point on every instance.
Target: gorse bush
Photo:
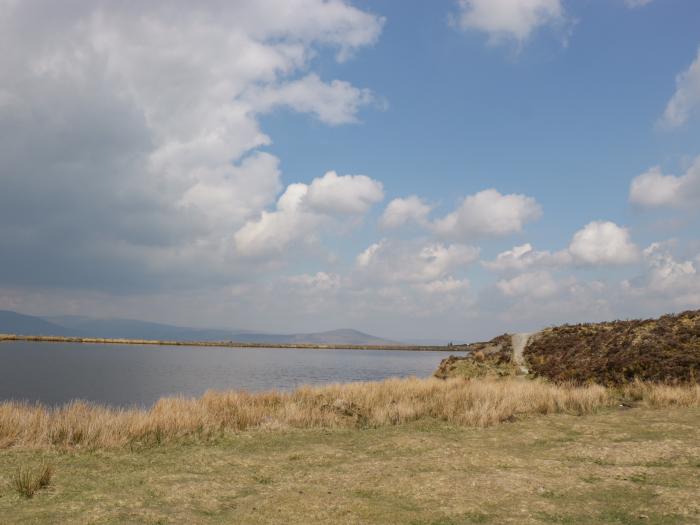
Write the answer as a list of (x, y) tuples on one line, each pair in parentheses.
[(458, 401)]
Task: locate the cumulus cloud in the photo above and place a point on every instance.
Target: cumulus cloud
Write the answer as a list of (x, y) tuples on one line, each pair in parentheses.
[(394, 262), (403, 211), (534, 300), (525, 256), (488, 213), (303, 209), (666, 274), (654, 189), (597, 243), (333, 103), (130, 135), (603, 242), (667, 284), (509, 19), (320, 281), (347, 194), (533, 284), (444, 286), (686, 100)]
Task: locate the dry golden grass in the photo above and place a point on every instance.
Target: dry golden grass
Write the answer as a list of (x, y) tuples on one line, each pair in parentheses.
[(462, 402), (657, 395)]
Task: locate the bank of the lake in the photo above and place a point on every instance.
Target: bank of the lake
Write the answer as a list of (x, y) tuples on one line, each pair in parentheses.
[(229, 344)]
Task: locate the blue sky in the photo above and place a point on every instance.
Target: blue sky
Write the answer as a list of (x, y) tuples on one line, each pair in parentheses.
[(569, 123), (171, 163)]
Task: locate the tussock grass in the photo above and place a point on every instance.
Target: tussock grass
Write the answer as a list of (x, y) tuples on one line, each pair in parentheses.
[(657, 395), (480, 403), (28, 481)]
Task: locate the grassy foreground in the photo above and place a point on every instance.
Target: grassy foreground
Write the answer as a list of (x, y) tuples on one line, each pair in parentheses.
[(625, 466), (397, 451)]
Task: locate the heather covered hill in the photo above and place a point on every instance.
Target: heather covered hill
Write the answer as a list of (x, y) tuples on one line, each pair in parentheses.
[(666, 349)]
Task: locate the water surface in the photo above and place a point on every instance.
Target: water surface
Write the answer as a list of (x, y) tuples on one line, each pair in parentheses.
[(55, 373)]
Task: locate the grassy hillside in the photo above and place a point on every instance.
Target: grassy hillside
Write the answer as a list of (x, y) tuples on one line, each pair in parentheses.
[(665, 350)]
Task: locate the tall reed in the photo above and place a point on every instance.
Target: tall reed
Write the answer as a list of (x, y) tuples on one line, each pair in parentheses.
[(463, 402)]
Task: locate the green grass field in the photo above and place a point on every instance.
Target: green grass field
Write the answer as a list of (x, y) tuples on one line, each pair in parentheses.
[(618, 466)]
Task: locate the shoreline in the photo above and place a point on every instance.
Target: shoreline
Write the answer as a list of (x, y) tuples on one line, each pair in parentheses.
[(481, 402), (228, 344)]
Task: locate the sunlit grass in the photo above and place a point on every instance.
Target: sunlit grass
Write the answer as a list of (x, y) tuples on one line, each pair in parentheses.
[(479, 403)]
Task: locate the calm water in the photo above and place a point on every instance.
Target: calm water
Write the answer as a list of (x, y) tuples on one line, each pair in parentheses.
[(54, 373)]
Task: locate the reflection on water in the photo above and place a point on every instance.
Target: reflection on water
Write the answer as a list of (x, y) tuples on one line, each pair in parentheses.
[(55, 373)]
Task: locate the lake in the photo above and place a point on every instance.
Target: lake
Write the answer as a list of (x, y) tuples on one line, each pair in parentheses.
[(124, 375)]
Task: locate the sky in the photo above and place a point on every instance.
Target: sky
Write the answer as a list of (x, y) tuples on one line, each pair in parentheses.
[(444, 170)]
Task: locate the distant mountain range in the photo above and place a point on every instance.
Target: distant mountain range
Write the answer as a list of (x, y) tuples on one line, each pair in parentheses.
[(78, 326), (14, 323)]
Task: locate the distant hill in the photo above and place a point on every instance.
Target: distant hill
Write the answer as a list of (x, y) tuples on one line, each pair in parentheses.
[(134, 329), (81, 326), (343, 336), (14, 323)]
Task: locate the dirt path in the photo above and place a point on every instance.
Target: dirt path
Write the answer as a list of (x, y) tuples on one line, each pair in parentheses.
[(519, 341)]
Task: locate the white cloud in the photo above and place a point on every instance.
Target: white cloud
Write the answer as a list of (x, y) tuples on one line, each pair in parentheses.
[(509, 19), (444, 286), (393, 262), (603, 242), (665, 273), (219, 191), (637, 3), (686, 100), (366, 257), (303, 210), (654, 189), (667, 284), (333, 103), (318, 282), (138, 122), (525, 256), (403, 211), (488, 213), (345, 194), (537, 285), (274, 231)]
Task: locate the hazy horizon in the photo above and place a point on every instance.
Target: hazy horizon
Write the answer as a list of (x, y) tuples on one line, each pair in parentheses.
[(413, 170)]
